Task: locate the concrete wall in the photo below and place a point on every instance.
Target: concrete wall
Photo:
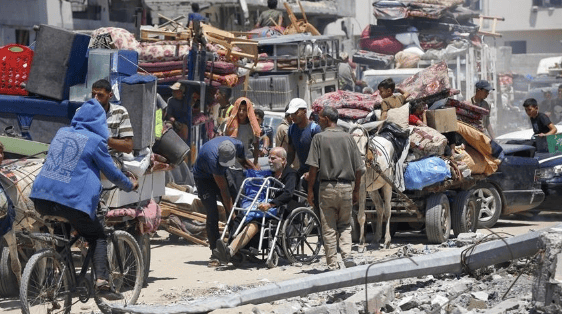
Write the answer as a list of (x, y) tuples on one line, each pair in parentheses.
[(519, 15), (24, 14), (545, 41), (519, 63)]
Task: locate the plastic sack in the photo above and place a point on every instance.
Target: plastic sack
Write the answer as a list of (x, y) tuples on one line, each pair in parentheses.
[(425, 172), (251, 190)]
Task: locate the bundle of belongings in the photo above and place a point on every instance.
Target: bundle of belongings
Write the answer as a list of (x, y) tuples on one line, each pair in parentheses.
[(167, 59), (414, 30), (428, 86), (451, 145)]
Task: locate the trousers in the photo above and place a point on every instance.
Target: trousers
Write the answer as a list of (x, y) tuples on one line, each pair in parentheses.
[(336, 202)]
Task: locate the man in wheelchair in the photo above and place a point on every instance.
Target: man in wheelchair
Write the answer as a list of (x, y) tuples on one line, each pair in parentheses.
[(286, 175)]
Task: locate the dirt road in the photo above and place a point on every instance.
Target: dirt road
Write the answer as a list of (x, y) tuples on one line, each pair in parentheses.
[(179, 271)]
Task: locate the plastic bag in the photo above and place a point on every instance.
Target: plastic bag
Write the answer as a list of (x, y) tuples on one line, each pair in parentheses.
[(425, 172), (251, 190)]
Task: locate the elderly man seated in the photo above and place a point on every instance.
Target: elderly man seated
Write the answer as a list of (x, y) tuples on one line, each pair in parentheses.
[(286, 175)]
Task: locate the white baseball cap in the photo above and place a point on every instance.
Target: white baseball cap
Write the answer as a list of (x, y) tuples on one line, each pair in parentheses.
[(296, 104)]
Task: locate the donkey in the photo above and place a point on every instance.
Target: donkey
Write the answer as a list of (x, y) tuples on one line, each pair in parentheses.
[(377, 152)]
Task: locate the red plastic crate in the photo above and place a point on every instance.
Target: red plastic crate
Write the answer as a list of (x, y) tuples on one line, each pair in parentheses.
[(15, 63)]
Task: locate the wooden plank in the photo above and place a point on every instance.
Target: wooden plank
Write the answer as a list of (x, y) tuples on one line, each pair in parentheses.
[(188, 237)]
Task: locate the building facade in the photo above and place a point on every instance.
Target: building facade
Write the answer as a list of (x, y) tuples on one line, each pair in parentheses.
[(530, 26)]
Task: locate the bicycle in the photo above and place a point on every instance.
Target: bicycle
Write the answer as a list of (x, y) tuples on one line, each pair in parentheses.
[(50, 280)]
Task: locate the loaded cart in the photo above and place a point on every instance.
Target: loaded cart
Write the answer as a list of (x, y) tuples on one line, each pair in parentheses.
[(452, 203)]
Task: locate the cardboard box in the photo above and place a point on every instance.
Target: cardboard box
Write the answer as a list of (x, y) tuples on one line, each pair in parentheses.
[(443, 120), (554, 143)]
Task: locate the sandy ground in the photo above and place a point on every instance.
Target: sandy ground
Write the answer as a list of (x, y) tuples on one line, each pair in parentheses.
[(179, 271)]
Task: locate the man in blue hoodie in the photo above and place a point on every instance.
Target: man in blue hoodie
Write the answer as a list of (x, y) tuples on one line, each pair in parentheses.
[(69, 184)]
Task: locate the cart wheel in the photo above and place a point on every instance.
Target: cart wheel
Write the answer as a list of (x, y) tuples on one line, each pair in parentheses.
[(302, 236), (463, 213), (8, 282), (273, 261), (491, 207), (437, 218), (238, 259)]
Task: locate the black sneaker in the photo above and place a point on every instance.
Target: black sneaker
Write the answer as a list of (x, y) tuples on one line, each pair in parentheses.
[(223, 251)]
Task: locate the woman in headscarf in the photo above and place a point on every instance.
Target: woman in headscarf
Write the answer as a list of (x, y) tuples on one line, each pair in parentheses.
[(243, 125)]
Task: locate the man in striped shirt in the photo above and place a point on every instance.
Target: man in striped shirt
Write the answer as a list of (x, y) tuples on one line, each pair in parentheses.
[(120, 130)]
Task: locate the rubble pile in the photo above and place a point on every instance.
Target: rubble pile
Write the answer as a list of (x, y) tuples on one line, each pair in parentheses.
[(482, 292)]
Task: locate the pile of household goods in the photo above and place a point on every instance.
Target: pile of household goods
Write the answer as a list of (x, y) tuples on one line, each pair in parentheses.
[(427, 158), (408, 31)]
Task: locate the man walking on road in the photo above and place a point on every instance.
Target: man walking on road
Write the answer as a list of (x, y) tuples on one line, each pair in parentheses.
[(209, 172), (335, 159)]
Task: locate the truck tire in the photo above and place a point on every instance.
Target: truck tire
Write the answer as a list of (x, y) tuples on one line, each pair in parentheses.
[(437, 218), (491, 207), (464, 213)]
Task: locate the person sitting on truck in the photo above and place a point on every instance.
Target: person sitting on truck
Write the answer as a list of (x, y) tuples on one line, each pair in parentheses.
[(271, 17), (540, 121), (177, 112), (195, 15), (483, 89), (69, 185), (547, 104), (266, 137), (222, 97), (346, 73), (386, 88), (417, 114), (119, 125)]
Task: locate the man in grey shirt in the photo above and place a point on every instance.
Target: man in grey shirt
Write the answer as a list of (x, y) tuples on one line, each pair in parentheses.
[(335, 159)]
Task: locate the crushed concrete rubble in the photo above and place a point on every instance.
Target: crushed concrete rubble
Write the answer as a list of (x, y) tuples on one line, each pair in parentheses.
[(522, 285)]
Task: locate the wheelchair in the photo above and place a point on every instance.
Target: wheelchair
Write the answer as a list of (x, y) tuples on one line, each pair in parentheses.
[(291, 234)]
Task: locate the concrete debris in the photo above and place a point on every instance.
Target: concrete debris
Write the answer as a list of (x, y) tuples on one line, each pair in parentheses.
[(547, 290), (422, 283), (338, 308), (408, 303), (505, 307), (480, 295), (440, 300), (468, 238)]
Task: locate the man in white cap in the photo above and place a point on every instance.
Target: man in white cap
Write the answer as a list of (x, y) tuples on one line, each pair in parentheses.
[(209, 172), (345, 73), (177, 110), (483, 89), (300, 135)]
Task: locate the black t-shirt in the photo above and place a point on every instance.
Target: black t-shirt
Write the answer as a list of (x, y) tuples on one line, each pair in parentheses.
[(540, 123)]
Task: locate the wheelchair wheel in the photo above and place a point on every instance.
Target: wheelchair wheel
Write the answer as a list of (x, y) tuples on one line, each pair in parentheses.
[(273, 261), (302, 236)]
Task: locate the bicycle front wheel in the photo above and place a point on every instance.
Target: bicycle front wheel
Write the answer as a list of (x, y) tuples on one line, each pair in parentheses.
[(45, 285), (123, 249)]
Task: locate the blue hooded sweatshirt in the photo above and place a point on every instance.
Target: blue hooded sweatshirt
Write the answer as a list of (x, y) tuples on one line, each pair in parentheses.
[(71, 173)]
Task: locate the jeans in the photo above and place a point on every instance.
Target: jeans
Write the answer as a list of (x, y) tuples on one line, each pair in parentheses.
[(91, 230)]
